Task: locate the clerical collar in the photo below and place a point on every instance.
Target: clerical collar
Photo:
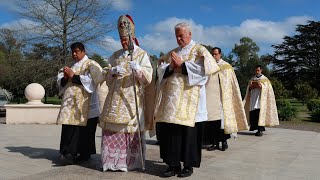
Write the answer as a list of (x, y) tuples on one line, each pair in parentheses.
[(258, 76), (126, 52), (83, 59), (187, 47), (79, 63)]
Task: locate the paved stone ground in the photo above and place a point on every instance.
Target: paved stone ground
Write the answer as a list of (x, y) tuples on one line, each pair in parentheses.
[(29, 151)]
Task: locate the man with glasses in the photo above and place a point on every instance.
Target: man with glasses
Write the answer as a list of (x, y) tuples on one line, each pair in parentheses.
[(231, 116)]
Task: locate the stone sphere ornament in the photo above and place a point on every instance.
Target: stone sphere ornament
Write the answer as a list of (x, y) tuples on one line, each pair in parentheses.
[(34, 92)]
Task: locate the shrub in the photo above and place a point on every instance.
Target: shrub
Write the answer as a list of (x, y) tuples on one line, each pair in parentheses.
[(279, 90), (304, 92), (285, 110), (313, 104), (315, 114), (314, 107), (7, 93)]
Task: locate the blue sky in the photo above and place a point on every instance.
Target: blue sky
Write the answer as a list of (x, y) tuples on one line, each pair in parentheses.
[(217, 23)]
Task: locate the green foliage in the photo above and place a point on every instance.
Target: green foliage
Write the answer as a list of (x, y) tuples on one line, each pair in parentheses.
[(99, 59), (304, 92), (314, 107), (246, 54), (17, 70), (313, 104), (315, 114), (298, 56), (52, 100), (280, 91), (286, 111), (246, 50), (208, 47)]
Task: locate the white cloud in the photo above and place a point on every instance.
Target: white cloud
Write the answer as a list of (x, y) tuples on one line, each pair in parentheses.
[(265, 33), (16, 25), (110, 44), (122, 5)]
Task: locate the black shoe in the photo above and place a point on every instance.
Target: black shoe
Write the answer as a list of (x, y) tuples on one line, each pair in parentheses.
[(224, 146), (211, 148), (69, 159), (259, 133), (186, 172), (172, 171)]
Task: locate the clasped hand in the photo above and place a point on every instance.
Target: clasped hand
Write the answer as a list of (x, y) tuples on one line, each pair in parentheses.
[(176, 60), (67, 72)]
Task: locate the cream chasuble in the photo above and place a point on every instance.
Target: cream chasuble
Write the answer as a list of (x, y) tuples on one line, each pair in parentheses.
[(176, 101), (233, 111), (76, 98), (268, 109), (150, 97), (119, 111)]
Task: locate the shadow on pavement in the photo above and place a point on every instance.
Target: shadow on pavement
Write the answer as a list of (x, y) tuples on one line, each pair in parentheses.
[(151, 142), (246, 133), (38, 153), (155, 168)]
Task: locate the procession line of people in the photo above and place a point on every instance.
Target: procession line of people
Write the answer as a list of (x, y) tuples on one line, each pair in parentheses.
[(191, 97)]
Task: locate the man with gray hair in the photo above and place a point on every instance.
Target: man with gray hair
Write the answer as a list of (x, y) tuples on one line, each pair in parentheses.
[(181, 102)]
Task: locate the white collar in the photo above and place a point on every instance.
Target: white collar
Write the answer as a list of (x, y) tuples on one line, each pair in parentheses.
[(82, 60), (125, 53), (188, 47), (186, 50)]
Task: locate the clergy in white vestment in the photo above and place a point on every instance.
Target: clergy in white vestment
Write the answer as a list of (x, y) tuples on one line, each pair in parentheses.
[(230, 117), (123, 143), (260, 104), (181, 102), (80, 109)]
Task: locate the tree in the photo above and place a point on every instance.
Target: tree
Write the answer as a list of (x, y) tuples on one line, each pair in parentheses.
[(11, 76), (10, 45), (208, 47), (280, 92), (99, 59), (246, 54), (59, 23), (298, 56), (247, 50)]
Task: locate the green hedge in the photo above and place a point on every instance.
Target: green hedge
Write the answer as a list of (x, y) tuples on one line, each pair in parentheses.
[(286, 111), (314, 107), (313, 104)]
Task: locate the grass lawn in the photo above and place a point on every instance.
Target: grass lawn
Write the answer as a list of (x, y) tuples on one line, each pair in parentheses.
[(302, 121), (52, 100)]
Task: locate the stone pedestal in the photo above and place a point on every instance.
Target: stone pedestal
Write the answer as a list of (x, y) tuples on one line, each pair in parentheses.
[(34, 111), (32, 114)]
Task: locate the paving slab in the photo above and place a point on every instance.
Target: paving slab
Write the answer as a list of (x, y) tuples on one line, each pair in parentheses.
[(30, 151)]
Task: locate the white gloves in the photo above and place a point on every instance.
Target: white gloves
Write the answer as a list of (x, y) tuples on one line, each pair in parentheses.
[(134, 66), (120, 71), (117, 70)]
